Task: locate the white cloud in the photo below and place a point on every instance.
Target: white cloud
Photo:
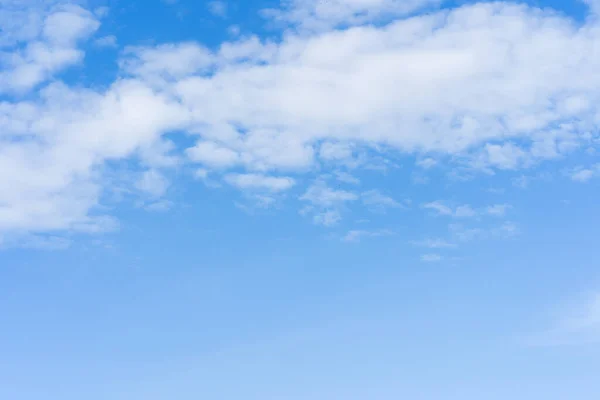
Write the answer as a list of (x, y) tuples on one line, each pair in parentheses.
[(106, 41), (358, 235), (201, 173), (324, 14), (439, 208), (321, 195), (498, 210), (213, 155), (234, 30), (503, 156), (521, 182), (346, 178), (464, 211), (166, 61), (153, 183), (218, 8), (492, 85), (50, 45), (379, 201), (159, 206), (342, 153), (35, 242), (427, 163), (260, 182), (101, 12), (579, 324), (507, 230), (434, 243), (327, 217), (325, 203), (582, 174), (465, 234)]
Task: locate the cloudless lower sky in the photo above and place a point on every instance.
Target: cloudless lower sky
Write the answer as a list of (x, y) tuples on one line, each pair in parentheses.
[(305, 199)]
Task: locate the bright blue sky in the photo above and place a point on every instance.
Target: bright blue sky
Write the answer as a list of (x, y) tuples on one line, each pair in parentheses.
[(373, 199)]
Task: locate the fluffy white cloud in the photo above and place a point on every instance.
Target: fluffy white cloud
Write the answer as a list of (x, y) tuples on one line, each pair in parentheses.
[(50, 44), (53, 151), (494, 85), (420, 84), (213, 155)]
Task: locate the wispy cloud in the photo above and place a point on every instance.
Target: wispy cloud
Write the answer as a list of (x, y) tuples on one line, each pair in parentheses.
[(578, 324), (260, 182), (463, 211), (376, 200), (427, 163), (434, 243), (218, 8), (584, 174), (498, 210), (431, 258), (106, 41), (358, 235), (466, 211)]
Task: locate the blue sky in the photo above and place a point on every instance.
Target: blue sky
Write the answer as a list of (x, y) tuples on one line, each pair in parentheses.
[(306, 199)]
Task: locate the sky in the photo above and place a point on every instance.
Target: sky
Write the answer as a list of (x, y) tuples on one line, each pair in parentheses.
[(299, 199)]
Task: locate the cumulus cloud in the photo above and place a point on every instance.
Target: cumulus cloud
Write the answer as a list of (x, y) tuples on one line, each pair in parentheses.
[(47, 45), (491, 85)]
